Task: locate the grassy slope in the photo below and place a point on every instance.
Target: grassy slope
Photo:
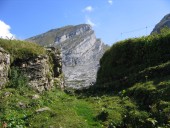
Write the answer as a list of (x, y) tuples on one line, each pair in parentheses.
[(130, 57), (140, 70)]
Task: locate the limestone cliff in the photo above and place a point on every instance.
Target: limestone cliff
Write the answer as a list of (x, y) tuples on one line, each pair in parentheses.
[(81, 52), (165, 22)]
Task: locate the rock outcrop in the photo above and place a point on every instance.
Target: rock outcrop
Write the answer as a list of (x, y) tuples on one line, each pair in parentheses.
[(4, 67), (40, 70), (81, 52), (165, 22)]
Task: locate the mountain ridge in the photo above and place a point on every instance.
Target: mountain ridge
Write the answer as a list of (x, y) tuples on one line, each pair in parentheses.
[(81, 52)]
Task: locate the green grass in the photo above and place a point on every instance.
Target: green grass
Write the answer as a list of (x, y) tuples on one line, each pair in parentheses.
[(19, 109), (21, 49), (153, 97), (65, 111), (11, 109), (145, 104)]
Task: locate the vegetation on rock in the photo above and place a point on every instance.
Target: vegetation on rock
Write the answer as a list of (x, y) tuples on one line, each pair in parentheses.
[(21, 49)]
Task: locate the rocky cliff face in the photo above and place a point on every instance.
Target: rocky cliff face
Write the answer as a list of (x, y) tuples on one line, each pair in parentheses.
[(37, 70), (4, 67), (81, 52), (40, 70), (165, 22)]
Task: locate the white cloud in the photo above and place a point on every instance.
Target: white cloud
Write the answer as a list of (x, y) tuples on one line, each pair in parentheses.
[(110, 2), (88, 21), (5, 31), (88, 9)]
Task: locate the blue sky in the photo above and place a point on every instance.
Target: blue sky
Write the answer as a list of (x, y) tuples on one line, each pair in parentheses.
[(112, 20)]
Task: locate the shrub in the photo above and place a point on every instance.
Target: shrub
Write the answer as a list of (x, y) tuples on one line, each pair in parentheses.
[(17, 78)]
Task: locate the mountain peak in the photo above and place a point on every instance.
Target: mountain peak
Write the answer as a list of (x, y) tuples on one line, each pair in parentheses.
[(165, 22), (57, 35), (81, 52)]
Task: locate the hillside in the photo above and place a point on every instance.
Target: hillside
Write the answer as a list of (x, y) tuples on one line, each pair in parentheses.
[(134, 58), (139, 69), (81, 52)]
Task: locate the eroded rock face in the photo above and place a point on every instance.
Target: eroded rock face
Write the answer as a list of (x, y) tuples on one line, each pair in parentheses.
[(81, 52), (72, 32), (81, 60), (39, 72), (4, 67)]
